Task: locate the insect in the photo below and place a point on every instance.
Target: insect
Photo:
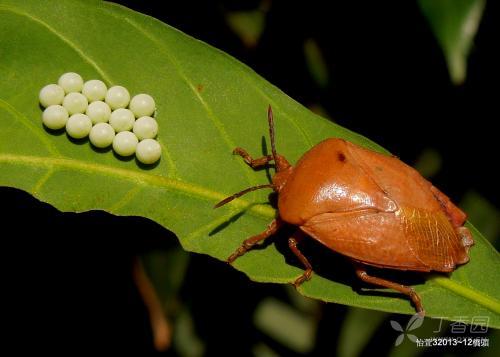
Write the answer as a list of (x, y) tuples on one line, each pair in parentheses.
[(368, 206)]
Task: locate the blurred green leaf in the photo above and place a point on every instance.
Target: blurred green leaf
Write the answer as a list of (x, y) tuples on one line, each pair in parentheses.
[(207, 103), (166, 270), (357, 328), (186, 342), (316, 62), (248, 25), (262, 350), (285, 324), (454, 23), (428, 163)]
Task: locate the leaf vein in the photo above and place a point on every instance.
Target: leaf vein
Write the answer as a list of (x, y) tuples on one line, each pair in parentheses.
[(127, 197), (141, 178), (41, 182), (29, 124)]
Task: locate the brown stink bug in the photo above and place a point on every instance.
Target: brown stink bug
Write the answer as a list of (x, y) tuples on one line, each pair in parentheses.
[(370, 207)]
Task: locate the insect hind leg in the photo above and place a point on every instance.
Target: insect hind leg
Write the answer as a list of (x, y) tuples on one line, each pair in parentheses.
[(292, 244), (254, 163), (407, 290)]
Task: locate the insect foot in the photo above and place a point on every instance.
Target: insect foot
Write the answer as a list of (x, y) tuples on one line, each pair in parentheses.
[(303, 278), (253, 163), (239, 252), (415, 298)]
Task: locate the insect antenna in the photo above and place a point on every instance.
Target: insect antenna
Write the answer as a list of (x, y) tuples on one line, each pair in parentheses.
[(271, 131), (280, 163), (241, 193)]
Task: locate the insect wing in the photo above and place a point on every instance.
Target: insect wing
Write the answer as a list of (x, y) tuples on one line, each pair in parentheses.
[(433, 240), (367, 236)]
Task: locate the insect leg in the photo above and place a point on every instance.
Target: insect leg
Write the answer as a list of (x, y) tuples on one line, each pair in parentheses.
[(292, 243), (250, 242), (407, 290), (254, 163)]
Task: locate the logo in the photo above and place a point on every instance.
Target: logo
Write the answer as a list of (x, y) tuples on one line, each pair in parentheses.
[(414, 323), (461, 333)]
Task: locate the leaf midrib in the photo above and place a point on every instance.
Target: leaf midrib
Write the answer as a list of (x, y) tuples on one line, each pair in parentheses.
[(470, 294), (140, 178)]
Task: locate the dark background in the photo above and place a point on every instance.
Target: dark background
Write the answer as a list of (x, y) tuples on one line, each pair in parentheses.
[(67, 283)]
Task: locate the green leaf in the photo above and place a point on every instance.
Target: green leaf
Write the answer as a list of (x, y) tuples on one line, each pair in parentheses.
[(207, 103), (454, 23)]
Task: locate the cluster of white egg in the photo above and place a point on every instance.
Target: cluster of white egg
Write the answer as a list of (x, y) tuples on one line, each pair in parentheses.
[(106, 116)]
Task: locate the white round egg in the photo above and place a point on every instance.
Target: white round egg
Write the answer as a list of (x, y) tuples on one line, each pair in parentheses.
[(148, 151), (71, 82)]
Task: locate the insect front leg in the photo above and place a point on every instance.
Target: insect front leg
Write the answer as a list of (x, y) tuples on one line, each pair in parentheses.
[(292, 243), (254, 163), (407, 290), (250, 242)]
